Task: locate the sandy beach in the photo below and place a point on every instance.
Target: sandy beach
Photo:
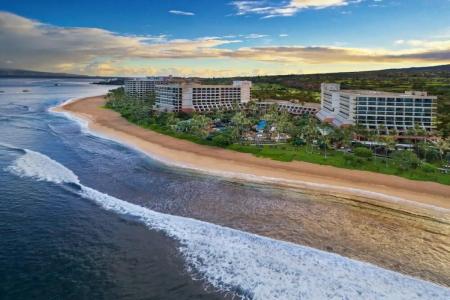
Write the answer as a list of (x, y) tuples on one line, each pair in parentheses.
[(383, 189)]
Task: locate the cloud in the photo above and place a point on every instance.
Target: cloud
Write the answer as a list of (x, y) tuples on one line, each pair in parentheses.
[(254, 36), (286, 8), (439, 43), (333, 55), (30, 44), (181, 13)]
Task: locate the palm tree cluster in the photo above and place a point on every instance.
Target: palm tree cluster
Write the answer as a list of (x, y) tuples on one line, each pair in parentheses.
[(223, 128)]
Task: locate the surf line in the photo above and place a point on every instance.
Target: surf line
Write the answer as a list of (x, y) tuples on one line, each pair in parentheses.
[(246, 264)]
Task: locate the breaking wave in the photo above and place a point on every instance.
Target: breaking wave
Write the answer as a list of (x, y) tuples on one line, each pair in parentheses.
[(41, 167), (249, 265)]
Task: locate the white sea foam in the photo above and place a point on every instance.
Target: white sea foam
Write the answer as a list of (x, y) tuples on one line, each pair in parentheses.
[(254, 266), (68, 101), (41, 167), (84, 124), (330, 188)]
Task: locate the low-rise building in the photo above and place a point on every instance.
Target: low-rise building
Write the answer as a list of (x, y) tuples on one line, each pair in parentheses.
[(189, 97), (290, 107), (384, 112), (142, 87)]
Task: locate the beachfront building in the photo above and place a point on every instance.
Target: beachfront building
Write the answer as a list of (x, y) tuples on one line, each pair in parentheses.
[(142, 87), (190, 97), (376, 110), (290, 107)]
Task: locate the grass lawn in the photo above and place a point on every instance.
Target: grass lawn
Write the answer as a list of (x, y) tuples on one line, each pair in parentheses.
[(338, 159), (287, 153)]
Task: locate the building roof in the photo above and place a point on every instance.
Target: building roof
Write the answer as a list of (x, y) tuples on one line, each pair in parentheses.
[(156, 78), (199, 85), (284, 102)]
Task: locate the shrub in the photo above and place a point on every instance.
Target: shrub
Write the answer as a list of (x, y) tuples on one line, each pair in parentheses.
[(363, 152), (353, 160), (298, 142), (406, 160), (359, 161), (222, 140), (428, 168), (348, 157)]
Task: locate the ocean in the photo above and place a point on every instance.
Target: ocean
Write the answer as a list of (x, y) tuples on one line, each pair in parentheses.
[(83, 217)]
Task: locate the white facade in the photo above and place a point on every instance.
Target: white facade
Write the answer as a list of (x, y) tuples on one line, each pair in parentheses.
[(143, 87), (329, 105), (191, 97), (376, 110)]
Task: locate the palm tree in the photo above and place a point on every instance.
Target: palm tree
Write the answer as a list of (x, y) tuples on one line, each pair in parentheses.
[(443, 146), (419, 130), (394, 133), (411, 132), (389, 145), (283, 122), (325, 139), (252, 108), (382, 129), (200, 125), (422, 149), (371, 136), (311, 131), (361, 131), (240, 122), (347, 136)]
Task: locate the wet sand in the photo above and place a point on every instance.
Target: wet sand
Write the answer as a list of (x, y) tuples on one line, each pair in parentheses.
[(392, 222), (386, 189)]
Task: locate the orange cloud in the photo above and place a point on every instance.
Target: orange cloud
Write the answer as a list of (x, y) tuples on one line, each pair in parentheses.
[(29, 44)]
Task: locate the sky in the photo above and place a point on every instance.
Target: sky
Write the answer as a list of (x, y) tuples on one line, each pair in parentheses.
[(215, 38)]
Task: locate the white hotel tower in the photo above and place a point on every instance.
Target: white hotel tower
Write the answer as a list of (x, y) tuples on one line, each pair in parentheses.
[(377, 110), (189, 97), (143, 87)]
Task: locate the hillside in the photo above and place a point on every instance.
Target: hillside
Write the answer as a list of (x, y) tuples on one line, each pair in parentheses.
[(390, 77), (306, 87), (28, 73)]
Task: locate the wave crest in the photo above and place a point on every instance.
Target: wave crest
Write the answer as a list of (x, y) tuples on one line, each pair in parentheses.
[(246, 264), (41, 167)]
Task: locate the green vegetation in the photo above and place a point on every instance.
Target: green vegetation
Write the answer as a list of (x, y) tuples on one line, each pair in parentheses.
[(305, 88), (424, 172), (288, 138), (265, 91), (363, 152)]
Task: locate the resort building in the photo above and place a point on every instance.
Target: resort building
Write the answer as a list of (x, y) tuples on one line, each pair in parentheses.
[(376, 110), (290, 107), (143, 87), (189, 97)]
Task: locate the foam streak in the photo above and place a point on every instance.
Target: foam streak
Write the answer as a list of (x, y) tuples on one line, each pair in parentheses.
[(250, 265), (329, 188)]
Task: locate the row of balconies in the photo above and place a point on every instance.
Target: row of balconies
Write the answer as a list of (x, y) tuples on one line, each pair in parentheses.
[(406, 124), (395, 104), (409, 114), (396, 128), (395, 120), (394, 108)]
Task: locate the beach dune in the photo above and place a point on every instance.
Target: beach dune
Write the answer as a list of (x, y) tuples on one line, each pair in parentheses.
[(325, 179)]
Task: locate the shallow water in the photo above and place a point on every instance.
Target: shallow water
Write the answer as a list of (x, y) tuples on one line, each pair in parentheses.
[(56, 243)]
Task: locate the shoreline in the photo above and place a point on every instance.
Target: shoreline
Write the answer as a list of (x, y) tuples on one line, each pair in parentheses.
[(376, 189)]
